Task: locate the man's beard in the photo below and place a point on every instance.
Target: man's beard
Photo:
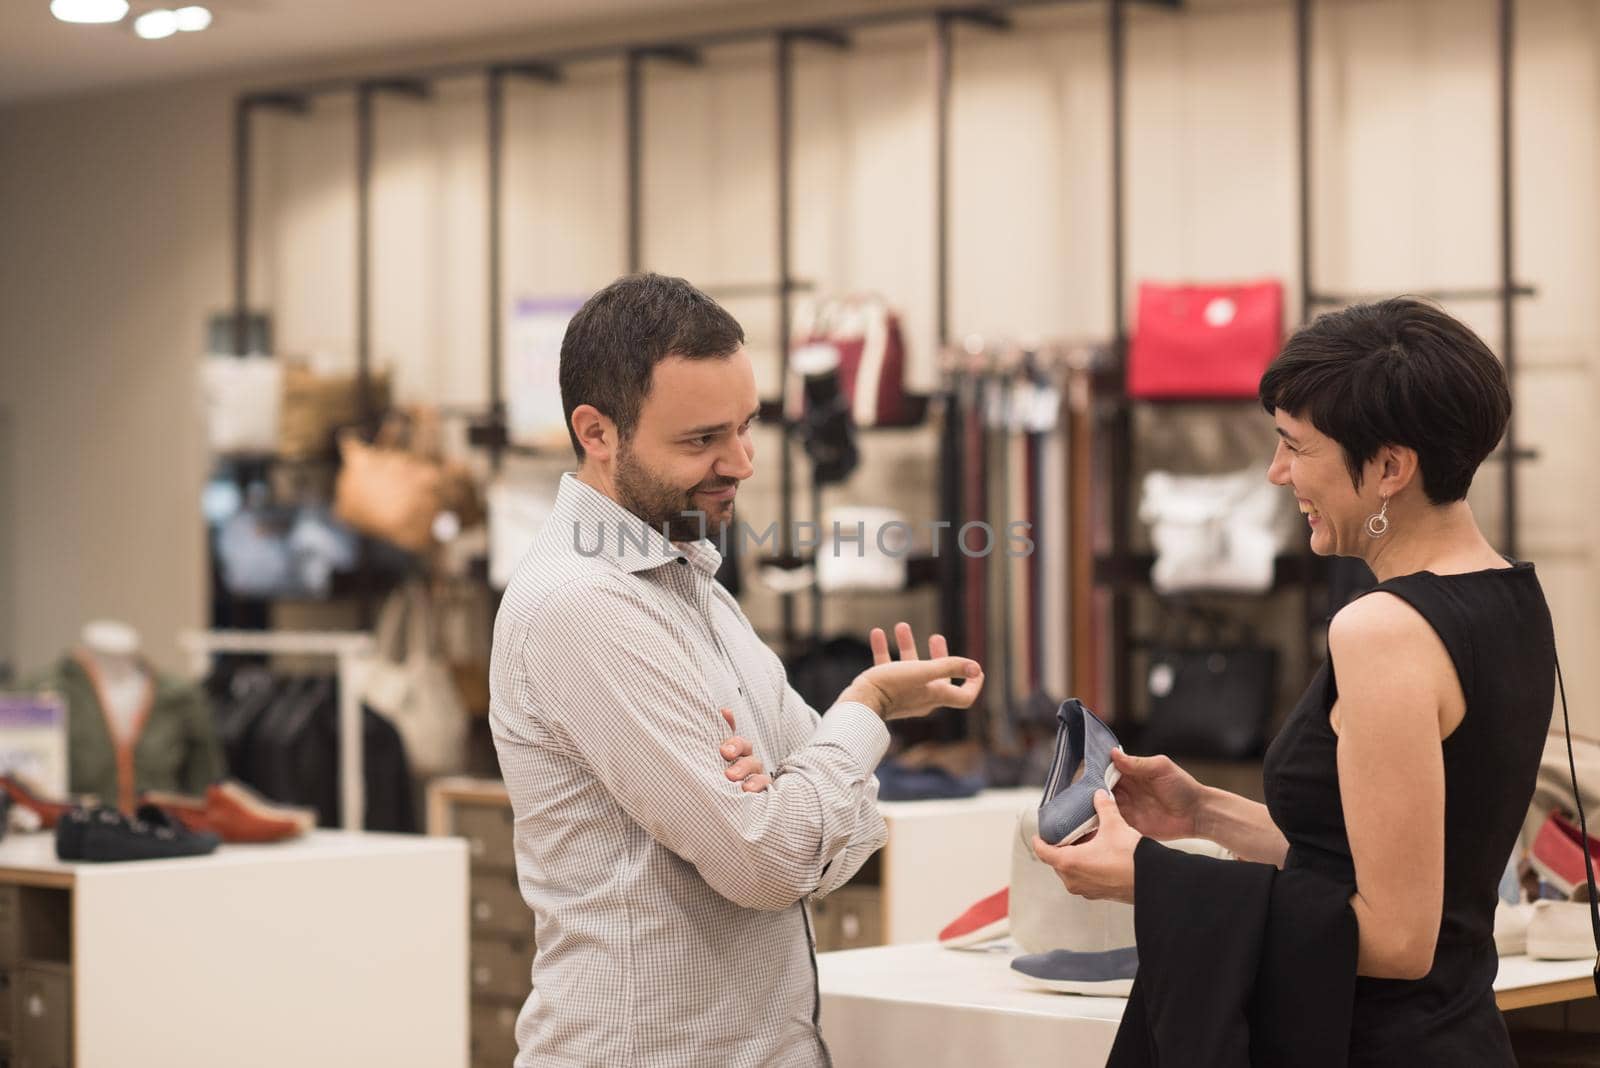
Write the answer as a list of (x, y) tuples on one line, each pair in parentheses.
[(662, 505)]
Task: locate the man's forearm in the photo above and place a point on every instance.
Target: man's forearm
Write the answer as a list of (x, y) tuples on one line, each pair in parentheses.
[(868, 837), (1241, 826)]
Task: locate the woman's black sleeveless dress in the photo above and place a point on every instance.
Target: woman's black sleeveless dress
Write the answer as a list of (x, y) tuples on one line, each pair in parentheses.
[(1496, 626)]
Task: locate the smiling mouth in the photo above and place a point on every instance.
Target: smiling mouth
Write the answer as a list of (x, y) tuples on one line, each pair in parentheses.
[(1308, 509)]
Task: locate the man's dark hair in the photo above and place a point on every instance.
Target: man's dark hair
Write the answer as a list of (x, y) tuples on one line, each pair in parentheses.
[(614, 342), (1397, 372)]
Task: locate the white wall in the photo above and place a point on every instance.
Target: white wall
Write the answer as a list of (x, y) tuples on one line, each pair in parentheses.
[(113, 221)]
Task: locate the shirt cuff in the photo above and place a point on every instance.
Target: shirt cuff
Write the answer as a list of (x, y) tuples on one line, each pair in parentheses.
[(856, 729)]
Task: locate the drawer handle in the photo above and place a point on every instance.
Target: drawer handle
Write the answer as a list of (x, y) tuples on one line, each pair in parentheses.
[(481, 910), (481, 975), (35, 1006), (478, 847), (851, 925)]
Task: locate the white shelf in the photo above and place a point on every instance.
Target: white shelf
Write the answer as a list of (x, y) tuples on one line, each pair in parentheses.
[(327, 951)]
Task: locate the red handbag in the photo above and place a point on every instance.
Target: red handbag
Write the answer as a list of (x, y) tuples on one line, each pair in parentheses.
[(872, 357), (1204, 340)]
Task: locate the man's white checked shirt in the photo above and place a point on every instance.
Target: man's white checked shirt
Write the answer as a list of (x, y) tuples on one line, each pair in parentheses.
[(669, 909)]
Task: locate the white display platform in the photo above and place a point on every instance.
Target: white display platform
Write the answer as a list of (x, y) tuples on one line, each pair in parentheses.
[(336, 949), (944, 855), (924, 1006)]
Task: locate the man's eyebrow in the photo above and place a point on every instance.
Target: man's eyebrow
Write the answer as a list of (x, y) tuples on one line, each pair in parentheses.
[(716, 428)]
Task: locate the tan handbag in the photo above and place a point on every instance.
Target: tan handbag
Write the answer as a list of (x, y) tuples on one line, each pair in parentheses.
[(395, 488), (315, 406), (386, 490)]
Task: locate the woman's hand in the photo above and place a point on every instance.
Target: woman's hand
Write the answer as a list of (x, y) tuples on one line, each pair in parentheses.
[(1099, 868), (744, 767), (911, 686), (1156, 797)]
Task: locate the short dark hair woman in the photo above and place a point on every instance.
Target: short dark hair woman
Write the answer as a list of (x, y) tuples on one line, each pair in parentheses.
[(1408, 766)]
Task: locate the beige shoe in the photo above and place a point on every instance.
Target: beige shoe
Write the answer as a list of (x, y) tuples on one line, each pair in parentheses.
[(1560, 930), (1511, 928)]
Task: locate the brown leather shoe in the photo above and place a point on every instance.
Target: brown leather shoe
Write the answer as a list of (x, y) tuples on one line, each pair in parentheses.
[(49, 812), (235, 814)]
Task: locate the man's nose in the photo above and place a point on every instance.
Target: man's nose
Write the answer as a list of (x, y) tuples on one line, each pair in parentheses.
[(737, 461)]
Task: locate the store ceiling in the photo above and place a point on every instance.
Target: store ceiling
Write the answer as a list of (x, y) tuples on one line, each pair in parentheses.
[(40, 56)]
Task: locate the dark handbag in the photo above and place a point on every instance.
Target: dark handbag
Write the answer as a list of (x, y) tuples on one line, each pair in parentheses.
[(1212, 700)]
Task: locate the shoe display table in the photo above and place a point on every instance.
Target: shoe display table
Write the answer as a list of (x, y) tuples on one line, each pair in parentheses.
[(336, 949), (926, 1007)]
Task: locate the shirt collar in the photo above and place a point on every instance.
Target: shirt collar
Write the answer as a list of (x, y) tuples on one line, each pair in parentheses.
[(596, 525)]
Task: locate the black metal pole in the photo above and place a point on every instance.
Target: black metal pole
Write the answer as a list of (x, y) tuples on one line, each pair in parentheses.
[(784, 103), (1302, 66), (496, 137), (635, 160), (941, 178), (363, 252), (1121, 428), (241, 224), (1508, 318)]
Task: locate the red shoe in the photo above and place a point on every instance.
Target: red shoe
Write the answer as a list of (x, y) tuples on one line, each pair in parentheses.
[(987, 920), (235, 814), (49, 812), (1558, 853)]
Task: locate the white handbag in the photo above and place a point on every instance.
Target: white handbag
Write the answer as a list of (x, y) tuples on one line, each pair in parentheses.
[(409, 681), (869, 553), (1045, 917), (241, 402), (1213, 532)]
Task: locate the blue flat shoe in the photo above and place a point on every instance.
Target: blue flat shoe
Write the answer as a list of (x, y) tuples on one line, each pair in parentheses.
[(1107, 975), (1067, 812)]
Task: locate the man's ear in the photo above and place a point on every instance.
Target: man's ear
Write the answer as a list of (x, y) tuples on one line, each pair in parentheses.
[(596, 433)]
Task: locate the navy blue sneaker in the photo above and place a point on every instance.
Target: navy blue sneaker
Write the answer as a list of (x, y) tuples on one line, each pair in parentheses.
[(1107, 975), (104, 833)]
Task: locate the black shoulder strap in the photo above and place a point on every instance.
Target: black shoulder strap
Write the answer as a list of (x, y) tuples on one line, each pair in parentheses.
[(1583, 829)]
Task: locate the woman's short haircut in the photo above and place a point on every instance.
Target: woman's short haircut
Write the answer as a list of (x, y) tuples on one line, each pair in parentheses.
[(1396, 372)]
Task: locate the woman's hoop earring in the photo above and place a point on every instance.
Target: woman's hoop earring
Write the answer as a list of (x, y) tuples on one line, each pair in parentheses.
[(1378, 525)]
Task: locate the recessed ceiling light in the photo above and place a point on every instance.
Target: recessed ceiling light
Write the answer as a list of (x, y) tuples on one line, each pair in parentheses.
[(89, 10), (193, 18), (154, 25)]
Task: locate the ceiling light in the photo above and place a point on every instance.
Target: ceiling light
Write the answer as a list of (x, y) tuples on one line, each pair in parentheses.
[(154, 25), (193, 18), (89, 10)]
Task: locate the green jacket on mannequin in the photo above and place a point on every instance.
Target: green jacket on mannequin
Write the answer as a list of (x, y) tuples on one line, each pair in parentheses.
[(174, 746)]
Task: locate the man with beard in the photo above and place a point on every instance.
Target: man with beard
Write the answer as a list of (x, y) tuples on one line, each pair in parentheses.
[(666, 871)]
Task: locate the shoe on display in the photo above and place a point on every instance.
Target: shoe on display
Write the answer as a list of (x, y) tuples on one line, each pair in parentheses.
[(26, 797), (1107, 975), (983, 922), (1560, 930), (104, 833), (1067, 813), (1558, 850), (1511, 928), (235, 813)]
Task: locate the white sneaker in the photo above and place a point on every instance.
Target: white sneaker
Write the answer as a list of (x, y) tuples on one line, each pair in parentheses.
[(1559, 930), (1511, 928)]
